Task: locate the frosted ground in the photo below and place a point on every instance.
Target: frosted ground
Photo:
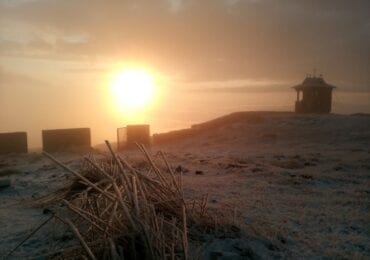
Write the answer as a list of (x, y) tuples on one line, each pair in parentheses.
[(296, 185)]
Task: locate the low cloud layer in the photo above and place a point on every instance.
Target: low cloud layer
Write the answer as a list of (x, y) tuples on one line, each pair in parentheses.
[(208, 40)]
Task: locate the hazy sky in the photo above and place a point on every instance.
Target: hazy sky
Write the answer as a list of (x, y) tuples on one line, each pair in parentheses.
[(55, 55)]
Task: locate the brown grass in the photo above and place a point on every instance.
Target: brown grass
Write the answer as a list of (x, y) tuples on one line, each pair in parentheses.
[(124, 212)]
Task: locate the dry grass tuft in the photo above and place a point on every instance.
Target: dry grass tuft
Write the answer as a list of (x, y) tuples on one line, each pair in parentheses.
[(125, 213)]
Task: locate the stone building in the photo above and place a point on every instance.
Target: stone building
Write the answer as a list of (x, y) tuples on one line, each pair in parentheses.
[(314, 95)]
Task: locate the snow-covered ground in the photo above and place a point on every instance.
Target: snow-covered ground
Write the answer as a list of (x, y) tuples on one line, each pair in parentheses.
[(298, 186)]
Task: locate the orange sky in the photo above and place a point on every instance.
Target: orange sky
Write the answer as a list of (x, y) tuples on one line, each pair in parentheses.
[(211, 57)]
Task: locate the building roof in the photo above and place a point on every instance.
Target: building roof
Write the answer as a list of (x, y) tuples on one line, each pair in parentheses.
[(313, 81)]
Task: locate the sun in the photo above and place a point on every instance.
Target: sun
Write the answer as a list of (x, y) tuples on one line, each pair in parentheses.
[(132, 88)]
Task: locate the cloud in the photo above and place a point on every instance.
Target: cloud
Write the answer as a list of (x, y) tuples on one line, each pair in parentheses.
[(10, 80), (208, 39)]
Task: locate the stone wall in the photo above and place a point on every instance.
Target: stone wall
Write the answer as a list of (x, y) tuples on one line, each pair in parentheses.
[(134, 134), (59, 140), (13, 142)]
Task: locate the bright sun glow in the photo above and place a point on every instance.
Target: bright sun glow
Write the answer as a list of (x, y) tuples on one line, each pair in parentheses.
[(133, 89)]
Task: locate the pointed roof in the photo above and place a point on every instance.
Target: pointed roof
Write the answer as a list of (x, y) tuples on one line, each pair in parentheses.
[(313, 81)]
